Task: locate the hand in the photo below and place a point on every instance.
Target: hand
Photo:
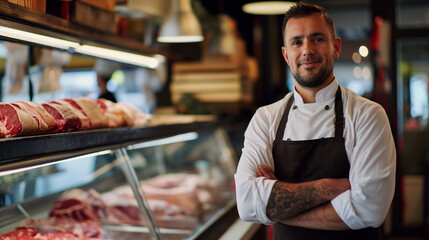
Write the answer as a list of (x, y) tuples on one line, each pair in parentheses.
[(265, 171)]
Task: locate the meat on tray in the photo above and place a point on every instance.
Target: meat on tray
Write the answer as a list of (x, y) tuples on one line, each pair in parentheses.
[(16, 121), (89, 107), (56, 229), (48, 122), (78, 204), (65, 115), (67, 120)]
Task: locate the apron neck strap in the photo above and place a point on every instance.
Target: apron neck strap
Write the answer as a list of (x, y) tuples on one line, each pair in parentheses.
[(339, 117)]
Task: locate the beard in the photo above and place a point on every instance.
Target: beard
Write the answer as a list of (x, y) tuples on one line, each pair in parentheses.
[(312, 79)]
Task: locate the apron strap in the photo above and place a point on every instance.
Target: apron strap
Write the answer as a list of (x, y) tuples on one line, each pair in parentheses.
[(339, 116), (282, 125)]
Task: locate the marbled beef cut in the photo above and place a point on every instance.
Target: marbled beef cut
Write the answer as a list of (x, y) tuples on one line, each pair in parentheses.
[(115, 115), (38, 110), (3, 131), (78, 204), (89, 107), (84, 120), (16, 121), (65, 117)]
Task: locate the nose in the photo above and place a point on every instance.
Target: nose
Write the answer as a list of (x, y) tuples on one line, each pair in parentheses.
[(307, 47)]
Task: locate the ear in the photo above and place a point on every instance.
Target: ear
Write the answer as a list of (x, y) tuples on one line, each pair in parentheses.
[(337, 47), (285, 55)]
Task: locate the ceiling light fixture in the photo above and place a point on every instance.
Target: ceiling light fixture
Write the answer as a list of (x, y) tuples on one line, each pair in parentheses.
[(181, 25), (74, 46), (267, 7)]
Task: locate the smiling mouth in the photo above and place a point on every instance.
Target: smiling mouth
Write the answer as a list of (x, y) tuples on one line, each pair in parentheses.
[(309, 63)]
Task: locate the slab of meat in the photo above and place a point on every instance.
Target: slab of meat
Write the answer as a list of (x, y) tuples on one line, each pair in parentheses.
[(84, 120), (89, 107), (64, 116), (16, 121), (20, 232), (38, 110), (78, 204), (3, 130), (42, 126), (176, 188), (139, 119), (122, 208), (79, 229), (115, 115), (32, 234)]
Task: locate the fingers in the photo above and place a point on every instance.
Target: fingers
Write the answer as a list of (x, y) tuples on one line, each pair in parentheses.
[(265, 171)]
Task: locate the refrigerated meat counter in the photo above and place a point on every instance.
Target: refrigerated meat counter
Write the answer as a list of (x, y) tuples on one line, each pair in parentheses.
[(159, 182)]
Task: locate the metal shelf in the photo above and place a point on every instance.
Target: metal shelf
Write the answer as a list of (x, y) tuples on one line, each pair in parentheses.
[(32, 150)]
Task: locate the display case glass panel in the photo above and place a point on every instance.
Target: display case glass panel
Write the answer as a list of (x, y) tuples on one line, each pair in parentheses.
[(67, 196), (187, 180)]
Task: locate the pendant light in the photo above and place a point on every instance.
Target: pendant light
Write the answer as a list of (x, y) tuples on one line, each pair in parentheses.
[(181, 25), (267, 7), (224, 40)]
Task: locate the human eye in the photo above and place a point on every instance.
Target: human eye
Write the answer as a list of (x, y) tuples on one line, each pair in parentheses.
[(296, 43), (318, 39)]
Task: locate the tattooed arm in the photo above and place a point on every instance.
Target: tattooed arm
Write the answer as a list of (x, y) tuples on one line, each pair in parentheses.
[(305, 204)]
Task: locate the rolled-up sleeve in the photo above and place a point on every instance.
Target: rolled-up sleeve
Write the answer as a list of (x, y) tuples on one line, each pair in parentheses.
[(372, 170), (253, 192)]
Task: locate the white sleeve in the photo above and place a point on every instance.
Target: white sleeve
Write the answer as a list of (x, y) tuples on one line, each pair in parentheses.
[(252, 193), (372, 171)]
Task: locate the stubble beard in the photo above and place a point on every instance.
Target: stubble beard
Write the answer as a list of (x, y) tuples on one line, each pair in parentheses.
[(312, 80)]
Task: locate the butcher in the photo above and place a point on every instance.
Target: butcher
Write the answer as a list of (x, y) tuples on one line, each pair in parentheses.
[(319, 163)]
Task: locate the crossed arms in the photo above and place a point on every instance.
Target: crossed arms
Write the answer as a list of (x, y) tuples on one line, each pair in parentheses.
[(305, 204)]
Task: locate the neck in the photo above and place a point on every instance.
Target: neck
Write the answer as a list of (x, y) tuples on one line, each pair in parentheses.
[(308, 94)]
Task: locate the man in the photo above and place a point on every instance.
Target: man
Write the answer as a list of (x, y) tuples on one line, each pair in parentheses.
[(102, 81), (320, 163)]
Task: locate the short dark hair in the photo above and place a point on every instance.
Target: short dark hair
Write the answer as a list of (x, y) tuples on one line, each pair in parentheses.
[(304, 10)]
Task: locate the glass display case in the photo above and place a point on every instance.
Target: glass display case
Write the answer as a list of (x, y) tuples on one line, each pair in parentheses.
[(158, 182)]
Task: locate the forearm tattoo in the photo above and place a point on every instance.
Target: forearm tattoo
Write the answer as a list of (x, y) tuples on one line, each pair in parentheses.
[(286, 201)]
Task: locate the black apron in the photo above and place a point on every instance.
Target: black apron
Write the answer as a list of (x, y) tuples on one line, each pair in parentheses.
[(299, 161)]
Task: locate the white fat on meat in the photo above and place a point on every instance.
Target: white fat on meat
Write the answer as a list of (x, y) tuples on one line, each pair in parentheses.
[(139, 119), (90, 108), (16, 121), (115, 115), (40, 112), (85, 123), (67, 120), (3, 131)]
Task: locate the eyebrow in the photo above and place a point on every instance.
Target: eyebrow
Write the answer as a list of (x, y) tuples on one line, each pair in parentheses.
[(316, 34)]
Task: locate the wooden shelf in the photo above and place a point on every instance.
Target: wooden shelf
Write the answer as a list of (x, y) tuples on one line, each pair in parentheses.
[(36, 21)]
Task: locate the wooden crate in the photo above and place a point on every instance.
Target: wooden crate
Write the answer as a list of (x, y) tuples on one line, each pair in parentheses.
[(210, 82), (39, 5), (94, 17), (108, 5)]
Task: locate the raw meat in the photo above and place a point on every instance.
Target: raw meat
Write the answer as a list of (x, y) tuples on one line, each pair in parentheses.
[(21, 232), (79, 229), (42, 127), (139, 119), (178, 188), (31, 234), (16, 121), (66, 119), (3, 130), (122, 208), (114, 113), (41, 112), (89, 107), (84, 120), (78, 204)]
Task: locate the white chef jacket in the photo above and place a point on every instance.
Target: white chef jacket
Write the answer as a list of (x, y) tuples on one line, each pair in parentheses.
[(369, 145)]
